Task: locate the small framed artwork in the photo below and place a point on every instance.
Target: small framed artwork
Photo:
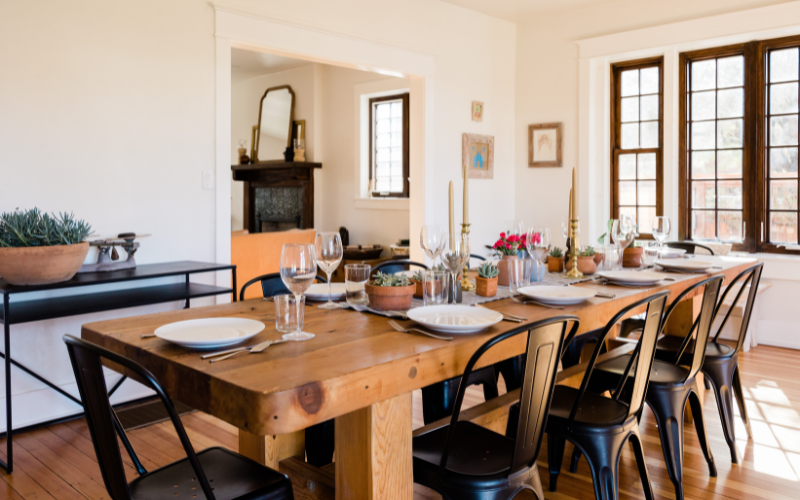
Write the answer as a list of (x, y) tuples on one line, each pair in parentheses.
[(544, 145), (477, 152), (477, 111)]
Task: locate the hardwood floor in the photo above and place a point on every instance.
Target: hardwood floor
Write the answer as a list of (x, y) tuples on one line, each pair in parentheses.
[(58, 462)]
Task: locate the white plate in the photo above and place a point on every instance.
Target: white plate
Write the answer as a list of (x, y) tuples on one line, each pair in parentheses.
[(690, 265), (558, 295), (672, 253), (455, 318), (319, 291), (210, 333), (632, 277)]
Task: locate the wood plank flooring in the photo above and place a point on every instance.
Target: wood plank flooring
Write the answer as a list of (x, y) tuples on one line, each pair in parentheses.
[(59, 463)]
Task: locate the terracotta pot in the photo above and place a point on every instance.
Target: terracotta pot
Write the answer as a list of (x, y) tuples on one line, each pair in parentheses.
[(390, 298), (567, 263), (632, 257), (586, 265), (41, 265), (599, 258), (486, 287), (418, 290), (502, 278), (555, 264)]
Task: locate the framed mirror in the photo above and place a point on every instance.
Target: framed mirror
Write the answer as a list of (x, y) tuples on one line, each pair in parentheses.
[(274, 123)]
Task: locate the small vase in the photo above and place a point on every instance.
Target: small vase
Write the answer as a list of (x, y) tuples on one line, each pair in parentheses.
[(586, 265), (486, 287), (418, 291), (555, 264), (632, 257), (502, 278)]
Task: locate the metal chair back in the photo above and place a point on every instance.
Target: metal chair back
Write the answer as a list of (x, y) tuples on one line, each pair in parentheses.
[(271, 285), (750, 276)]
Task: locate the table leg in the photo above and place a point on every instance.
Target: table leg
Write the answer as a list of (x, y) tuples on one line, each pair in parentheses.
[(270, 450), (679, 325), (373, 452)]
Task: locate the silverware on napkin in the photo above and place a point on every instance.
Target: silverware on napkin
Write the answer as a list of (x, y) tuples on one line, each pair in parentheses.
[(252, 350), (535, 303), (400, 329)]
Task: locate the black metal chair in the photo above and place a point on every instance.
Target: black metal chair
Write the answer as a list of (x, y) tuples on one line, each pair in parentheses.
[(671, 386), (690, 246), (599, 426), (271, 285), (396, 266), (320, 438), (721, 365), (233, 476), (463, 460)]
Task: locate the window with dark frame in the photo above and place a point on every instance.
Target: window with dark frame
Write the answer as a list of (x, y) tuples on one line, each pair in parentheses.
[(388, 145), (637, 141)]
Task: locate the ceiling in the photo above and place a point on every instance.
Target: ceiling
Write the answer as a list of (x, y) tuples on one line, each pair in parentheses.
[(247, 62), (514, 10)]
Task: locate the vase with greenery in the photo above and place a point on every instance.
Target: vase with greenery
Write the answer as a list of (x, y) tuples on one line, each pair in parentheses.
[(555, 261), (390, 292), (586, 263), (486, 282), (37, 248)]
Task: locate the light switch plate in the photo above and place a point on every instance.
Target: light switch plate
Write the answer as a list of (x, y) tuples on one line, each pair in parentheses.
[(208, 179)]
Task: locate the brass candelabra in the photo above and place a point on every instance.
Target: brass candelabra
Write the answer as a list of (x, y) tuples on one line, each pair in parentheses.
[(574, 250), (466, 284)]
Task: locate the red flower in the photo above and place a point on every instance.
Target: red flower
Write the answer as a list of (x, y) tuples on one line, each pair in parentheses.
[(508, 246), (502, 236)]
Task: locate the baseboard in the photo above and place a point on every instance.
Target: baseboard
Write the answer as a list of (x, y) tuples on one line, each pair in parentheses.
[(779, 334)]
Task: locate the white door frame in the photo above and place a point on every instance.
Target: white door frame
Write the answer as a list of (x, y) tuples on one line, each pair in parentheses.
[(240, 28)]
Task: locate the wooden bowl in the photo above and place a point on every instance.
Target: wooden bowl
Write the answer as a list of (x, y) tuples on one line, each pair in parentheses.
[(42, 265)]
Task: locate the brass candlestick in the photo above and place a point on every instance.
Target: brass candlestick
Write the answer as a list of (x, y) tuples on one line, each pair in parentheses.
[(466, 284), (573, 250)]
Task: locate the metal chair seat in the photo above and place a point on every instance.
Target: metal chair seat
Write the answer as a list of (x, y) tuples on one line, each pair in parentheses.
[(480, 461), (595, 411), (662, 373), (670, 344), (232, 476)]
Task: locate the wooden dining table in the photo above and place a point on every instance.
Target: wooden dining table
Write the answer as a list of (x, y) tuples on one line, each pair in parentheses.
[(357, 370)]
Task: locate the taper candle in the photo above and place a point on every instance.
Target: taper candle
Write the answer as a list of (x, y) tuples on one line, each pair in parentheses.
[(466, 197), (452, 224), (570, 210), (574, 194)]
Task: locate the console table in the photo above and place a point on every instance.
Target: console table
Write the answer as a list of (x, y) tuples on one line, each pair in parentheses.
[(93, 301)]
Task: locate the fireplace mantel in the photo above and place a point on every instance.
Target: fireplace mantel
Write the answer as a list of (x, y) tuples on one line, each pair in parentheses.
[(278, 181)]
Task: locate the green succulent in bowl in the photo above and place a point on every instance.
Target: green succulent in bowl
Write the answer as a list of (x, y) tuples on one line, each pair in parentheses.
[(488, 271), (381, 279), (556, 252)]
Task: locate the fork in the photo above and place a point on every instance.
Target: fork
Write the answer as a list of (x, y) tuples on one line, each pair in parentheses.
[(255, 349), (400, 329), (536, 303)]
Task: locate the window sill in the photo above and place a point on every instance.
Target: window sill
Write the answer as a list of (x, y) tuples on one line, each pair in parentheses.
[(776, 266), (381, 203)]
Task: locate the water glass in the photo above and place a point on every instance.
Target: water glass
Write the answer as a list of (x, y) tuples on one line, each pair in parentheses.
[(517, 275), (650, 254), (298, 272), (434, 287), (611, 261), (355, 277), (289, 313)]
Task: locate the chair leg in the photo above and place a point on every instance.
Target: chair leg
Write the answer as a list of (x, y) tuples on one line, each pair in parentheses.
[(702, 436), (636, 444), (320, 443), (668, 407), (602, 453), (555, 455), (721, 375), (438, 400), (576, 457), (737, 390)]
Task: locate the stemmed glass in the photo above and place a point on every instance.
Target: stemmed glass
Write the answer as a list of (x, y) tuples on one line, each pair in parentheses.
[(538, 245), (661, 231), (514, 227), (431, 240), (622, 232), (298, 271), (329, 252), (454, 255)]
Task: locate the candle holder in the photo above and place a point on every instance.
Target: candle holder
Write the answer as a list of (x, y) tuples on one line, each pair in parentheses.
[(573, 250), (466, 284)]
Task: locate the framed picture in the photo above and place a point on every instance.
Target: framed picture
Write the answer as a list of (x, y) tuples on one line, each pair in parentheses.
[(544, 145), (477, 152), (477, 111)]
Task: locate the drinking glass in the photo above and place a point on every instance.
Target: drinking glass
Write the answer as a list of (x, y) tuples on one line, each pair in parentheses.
[(538, 245), (514, 226), (434, 287), (622, 232), (454, 256), (329, 252), (517, 274), (430, 238), (355, 277), (661, 228), (298, 271), (288, 316), (650, 254)]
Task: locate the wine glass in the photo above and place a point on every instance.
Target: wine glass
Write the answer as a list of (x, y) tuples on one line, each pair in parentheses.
[(622, 232), (298, 271), (430, 238), (454, 256), (538, 245), (514, 226), (661, 228), (329, 252)]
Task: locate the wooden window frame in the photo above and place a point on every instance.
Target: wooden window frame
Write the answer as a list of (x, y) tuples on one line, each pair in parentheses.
[(405, 99), (616, 136)]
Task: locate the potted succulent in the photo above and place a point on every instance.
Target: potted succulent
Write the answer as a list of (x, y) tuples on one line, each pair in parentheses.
[(390, 292), (38, 248), (586, 263), (486, 282), (555, 261), (632, 255), (417, 279), (507, 247)]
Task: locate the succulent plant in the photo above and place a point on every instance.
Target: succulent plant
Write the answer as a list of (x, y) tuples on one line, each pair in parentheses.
[(33, 228), (418, 276), (488, 270), (556, 252), (381, 279), (587, 252)]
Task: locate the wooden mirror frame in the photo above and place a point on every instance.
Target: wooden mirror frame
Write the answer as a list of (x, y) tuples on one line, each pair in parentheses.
[(256, 148)]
